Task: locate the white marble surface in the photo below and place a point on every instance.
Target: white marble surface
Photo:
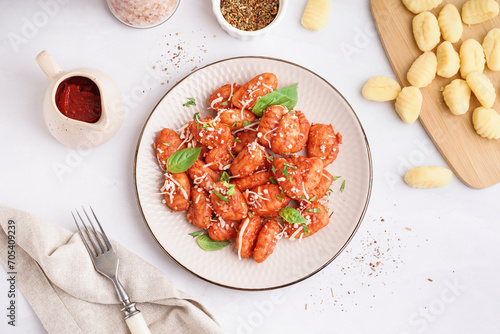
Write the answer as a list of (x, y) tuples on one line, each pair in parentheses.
[(438, 249)]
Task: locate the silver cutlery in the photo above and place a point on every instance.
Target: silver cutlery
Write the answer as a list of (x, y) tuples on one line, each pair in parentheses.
[(106, 263)]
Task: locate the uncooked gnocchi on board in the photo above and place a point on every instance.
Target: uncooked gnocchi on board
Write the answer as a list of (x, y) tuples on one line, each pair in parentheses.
[(423, 70), (491, 48), (428, 177), (426, 31), (419, 6), (316, 14), (456, 95), (482, 88), (486, 123), (381, 89), (471, 57), (408, 104), (448, 60), (450, 23), (477, 11)]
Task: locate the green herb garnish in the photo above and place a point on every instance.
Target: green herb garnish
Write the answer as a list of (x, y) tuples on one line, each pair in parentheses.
[(279, 197), (313, 198), (286, 96), (206, 243), (231, 189), (293, 216), (167, 144), (336, 178), (236, 140), (250, 214), (225, 103), (224, 177), (273, 181), (195, 234), (342, 187), (191, 102), (196, 116), (273, 168), (182, 160), (246, 123), (270, 158), (223, 198), (314, 210)]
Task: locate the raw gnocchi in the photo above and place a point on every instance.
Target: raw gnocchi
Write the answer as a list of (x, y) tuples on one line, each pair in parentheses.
[(316, 14), (491, 47), (450, 23), (457, 96), (408, 104), (418, 6), (477, 11), (448, 60), (423, 70), (471, 57), (486, 123), (428, 177), (482, 88), (380, 89), (426, 31)]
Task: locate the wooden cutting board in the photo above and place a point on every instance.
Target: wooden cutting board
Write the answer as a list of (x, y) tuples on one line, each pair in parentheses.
[(475, 160)]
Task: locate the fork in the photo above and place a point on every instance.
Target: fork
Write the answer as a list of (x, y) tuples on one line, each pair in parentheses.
[(106, 263)]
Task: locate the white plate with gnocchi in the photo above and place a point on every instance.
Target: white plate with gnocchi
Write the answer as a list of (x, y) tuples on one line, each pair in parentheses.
[(292, 260)]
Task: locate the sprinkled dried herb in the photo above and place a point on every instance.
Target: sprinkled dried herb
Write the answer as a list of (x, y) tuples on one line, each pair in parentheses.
[(249, 15)]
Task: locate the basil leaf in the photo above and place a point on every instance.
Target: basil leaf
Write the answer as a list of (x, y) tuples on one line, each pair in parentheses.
[(286, 96), (182, 160), (293, 216), (195, 234), (224, 199), (207, 244), (224, 177)]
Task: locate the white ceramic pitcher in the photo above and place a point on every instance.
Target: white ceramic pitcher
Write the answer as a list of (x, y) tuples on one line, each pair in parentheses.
[(75, 133)]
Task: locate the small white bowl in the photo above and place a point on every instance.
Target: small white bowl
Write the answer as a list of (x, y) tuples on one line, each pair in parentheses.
[(248, 35)]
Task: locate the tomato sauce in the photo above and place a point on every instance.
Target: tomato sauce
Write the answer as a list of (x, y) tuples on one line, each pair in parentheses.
[(79, 98)]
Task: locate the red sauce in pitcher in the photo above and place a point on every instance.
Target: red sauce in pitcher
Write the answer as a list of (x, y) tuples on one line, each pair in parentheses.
[(79, 98)]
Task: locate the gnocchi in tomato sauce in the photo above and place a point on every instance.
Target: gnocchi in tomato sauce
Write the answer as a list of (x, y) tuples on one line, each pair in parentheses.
[(240, 175)]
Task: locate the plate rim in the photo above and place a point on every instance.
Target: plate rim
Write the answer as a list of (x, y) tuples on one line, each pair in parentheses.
[(353, 233)]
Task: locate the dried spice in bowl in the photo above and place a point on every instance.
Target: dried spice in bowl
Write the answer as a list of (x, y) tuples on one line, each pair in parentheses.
[(249, 15)]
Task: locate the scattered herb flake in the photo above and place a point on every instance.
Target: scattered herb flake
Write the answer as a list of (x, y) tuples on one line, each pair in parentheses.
[(167, 144), (342, 187), (224, 177), (195, 234), (273, 181), (314, 210), (191, 102), (223, 198), (225, 103), (250, 214), (336, 178)]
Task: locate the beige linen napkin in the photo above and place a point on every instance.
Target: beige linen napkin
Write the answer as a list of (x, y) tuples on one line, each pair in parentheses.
[(55, 273)]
